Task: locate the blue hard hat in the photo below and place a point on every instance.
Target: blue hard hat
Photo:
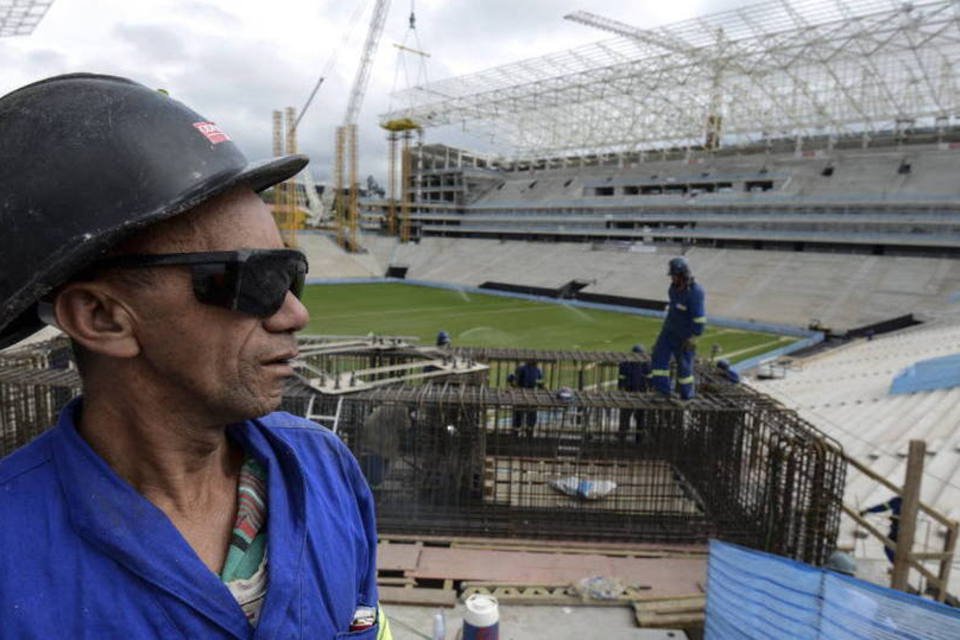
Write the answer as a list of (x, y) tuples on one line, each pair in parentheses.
[(842, 563), (679, 267), (443, 338), (638, 348)]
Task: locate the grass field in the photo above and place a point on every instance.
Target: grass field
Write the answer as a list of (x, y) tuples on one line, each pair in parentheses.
[(495, 321)]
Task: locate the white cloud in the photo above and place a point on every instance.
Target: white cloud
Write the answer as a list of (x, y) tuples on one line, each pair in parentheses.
[(236, 61)]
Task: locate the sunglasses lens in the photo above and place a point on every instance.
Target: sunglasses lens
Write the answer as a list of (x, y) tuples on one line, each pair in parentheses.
[(266, 279), (215, 284)]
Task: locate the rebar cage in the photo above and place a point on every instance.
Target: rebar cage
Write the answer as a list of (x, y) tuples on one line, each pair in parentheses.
[(580, 460), (613, 466)]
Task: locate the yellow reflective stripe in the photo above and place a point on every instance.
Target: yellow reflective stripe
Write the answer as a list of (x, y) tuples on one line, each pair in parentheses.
[(686, 380), (660, 372), (384, 632), (701, 320)]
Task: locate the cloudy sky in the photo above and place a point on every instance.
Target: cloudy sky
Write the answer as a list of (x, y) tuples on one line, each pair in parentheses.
[(235, 61)]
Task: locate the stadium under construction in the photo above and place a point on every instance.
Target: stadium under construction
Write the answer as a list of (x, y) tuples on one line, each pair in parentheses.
[(800, 154)]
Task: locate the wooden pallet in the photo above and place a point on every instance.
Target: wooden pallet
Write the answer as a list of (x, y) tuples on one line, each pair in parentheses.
[(547, 594), (397, 585), (674, 612), (434, 572)]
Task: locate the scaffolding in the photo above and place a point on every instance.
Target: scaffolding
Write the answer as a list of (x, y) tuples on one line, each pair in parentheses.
[(21, 17), (287, 211), (793, 69)]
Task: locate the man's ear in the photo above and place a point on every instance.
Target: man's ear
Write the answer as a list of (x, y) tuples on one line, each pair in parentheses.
[(91, 316)]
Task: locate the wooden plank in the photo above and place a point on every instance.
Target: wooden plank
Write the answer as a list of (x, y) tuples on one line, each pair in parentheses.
[(605, 548), (873, 475), (560, 549), (949, 546), (666, 576), (414, 595), (674, 605), (679, 612), (398, 557), (398, 582), (672, 620), (551, 594), (908, 515)]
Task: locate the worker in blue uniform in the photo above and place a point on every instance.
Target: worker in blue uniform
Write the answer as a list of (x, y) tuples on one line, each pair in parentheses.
[(633, 376), (893, 505), (686, 319), (724, 366), (171, 500), (526, 376)]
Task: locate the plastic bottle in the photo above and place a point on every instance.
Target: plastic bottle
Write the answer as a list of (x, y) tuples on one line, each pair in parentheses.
[(439, 626), (481, 620)]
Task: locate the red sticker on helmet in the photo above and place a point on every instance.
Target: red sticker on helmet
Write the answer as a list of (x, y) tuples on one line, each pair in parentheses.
[(212, 132)]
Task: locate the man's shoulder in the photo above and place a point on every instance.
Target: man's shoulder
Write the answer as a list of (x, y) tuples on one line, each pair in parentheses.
[(30, 459), (297, 430), (29, 491)]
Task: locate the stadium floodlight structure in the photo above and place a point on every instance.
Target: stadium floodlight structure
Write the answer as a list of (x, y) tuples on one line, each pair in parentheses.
[(776, 70), (21, 17)]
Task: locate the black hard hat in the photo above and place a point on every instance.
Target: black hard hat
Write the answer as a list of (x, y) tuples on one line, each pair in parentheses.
[(85, 161)]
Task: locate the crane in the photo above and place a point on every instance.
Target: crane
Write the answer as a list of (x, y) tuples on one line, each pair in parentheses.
[(400, 130), (346, 137)]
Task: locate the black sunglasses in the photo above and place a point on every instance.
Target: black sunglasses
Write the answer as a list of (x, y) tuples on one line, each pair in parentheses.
[(253, 281)]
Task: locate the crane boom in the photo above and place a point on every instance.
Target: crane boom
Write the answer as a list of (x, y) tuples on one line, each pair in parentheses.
[(360, 81)]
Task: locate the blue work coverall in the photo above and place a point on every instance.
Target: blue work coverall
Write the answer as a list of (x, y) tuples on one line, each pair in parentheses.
[(526, 376), (893, 505), (633, 375), (686, 317), (83, 555)]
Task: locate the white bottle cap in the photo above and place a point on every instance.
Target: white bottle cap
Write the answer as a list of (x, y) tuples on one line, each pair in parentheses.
[(482, 610)]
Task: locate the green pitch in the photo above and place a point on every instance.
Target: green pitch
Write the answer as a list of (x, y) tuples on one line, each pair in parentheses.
[(495, 321)]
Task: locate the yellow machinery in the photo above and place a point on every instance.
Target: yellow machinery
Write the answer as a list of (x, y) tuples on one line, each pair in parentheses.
[(400, 131), (287, 212), (347, 194)]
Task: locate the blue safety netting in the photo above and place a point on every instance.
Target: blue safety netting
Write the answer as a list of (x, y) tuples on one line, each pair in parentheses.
[(927, 375), (755, 595)]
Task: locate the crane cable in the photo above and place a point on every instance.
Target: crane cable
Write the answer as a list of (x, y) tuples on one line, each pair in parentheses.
[(405, 47), (352, 24)]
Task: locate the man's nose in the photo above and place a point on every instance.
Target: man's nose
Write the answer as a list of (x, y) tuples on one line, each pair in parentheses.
[(290, 318)]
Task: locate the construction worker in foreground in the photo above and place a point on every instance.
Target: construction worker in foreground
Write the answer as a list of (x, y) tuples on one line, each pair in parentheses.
[(171, 500), (686, 319)]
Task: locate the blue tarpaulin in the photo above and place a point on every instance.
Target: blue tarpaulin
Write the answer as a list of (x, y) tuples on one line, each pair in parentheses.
[(757, 595), (928, 375)]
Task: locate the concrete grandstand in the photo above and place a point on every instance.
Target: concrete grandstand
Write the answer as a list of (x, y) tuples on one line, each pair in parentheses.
[(837, 291), (846, 394), (899, 199)]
